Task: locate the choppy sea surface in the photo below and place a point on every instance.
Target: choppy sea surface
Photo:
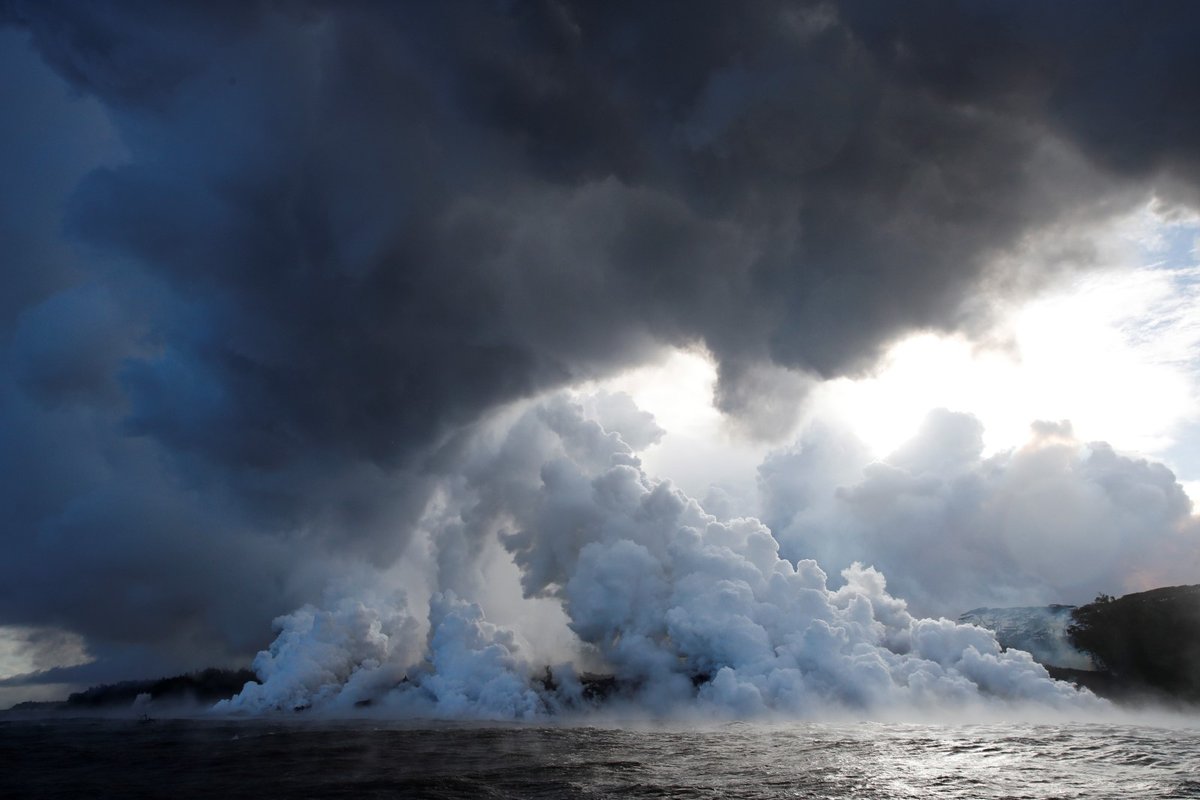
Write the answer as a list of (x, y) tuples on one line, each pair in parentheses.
[(318, 759)]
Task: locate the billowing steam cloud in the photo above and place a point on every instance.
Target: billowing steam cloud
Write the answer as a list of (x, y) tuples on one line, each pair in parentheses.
[(1053, 522), (268, 267), (685, 609)]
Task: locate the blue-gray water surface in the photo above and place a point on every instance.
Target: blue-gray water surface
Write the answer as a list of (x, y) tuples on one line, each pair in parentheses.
[(265, 759)]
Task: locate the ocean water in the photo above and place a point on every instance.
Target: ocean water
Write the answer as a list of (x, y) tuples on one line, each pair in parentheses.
[(322, 759)]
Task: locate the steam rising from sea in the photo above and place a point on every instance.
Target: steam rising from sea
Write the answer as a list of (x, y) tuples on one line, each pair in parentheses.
[(690, 613), (288, 287)]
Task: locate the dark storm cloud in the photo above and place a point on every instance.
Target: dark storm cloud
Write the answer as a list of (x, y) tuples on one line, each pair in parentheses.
[(1116, 78), (323, 238)]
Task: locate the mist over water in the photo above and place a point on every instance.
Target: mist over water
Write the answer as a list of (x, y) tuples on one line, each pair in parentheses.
[(191, 758), (689, 613)]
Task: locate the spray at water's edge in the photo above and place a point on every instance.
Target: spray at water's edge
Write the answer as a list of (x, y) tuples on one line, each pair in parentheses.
[(689, 612)]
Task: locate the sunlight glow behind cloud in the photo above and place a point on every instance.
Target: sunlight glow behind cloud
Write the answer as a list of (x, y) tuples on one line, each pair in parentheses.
[(677, 390), (1114, 352)]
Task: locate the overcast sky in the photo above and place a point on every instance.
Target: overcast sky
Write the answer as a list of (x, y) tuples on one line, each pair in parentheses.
[(273, 274)]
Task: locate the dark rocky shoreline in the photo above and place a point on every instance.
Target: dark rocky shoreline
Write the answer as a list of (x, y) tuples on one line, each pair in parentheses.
[(1146, 647)]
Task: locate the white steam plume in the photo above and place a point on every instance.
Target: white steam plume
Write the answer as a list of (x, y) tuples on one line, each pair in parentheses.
[(687, 611), (1055, 521)]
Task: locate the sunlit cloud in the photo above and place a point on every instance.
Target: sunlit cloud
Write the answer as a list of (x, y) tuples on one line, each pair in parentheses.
[(1114, 352)]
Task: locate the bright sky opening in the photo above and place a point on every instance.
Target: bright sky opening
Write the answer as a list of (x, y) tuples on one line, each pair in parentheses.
[(1116, 352)]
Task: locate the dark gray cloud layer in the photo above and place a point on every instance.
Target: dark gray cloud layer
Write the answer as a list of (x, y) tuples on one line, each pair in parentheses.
[(264, 262)]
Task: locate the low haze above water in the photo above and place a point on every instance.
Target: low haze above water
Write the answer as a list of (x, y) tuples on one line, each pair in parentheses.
[(260, 758)]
